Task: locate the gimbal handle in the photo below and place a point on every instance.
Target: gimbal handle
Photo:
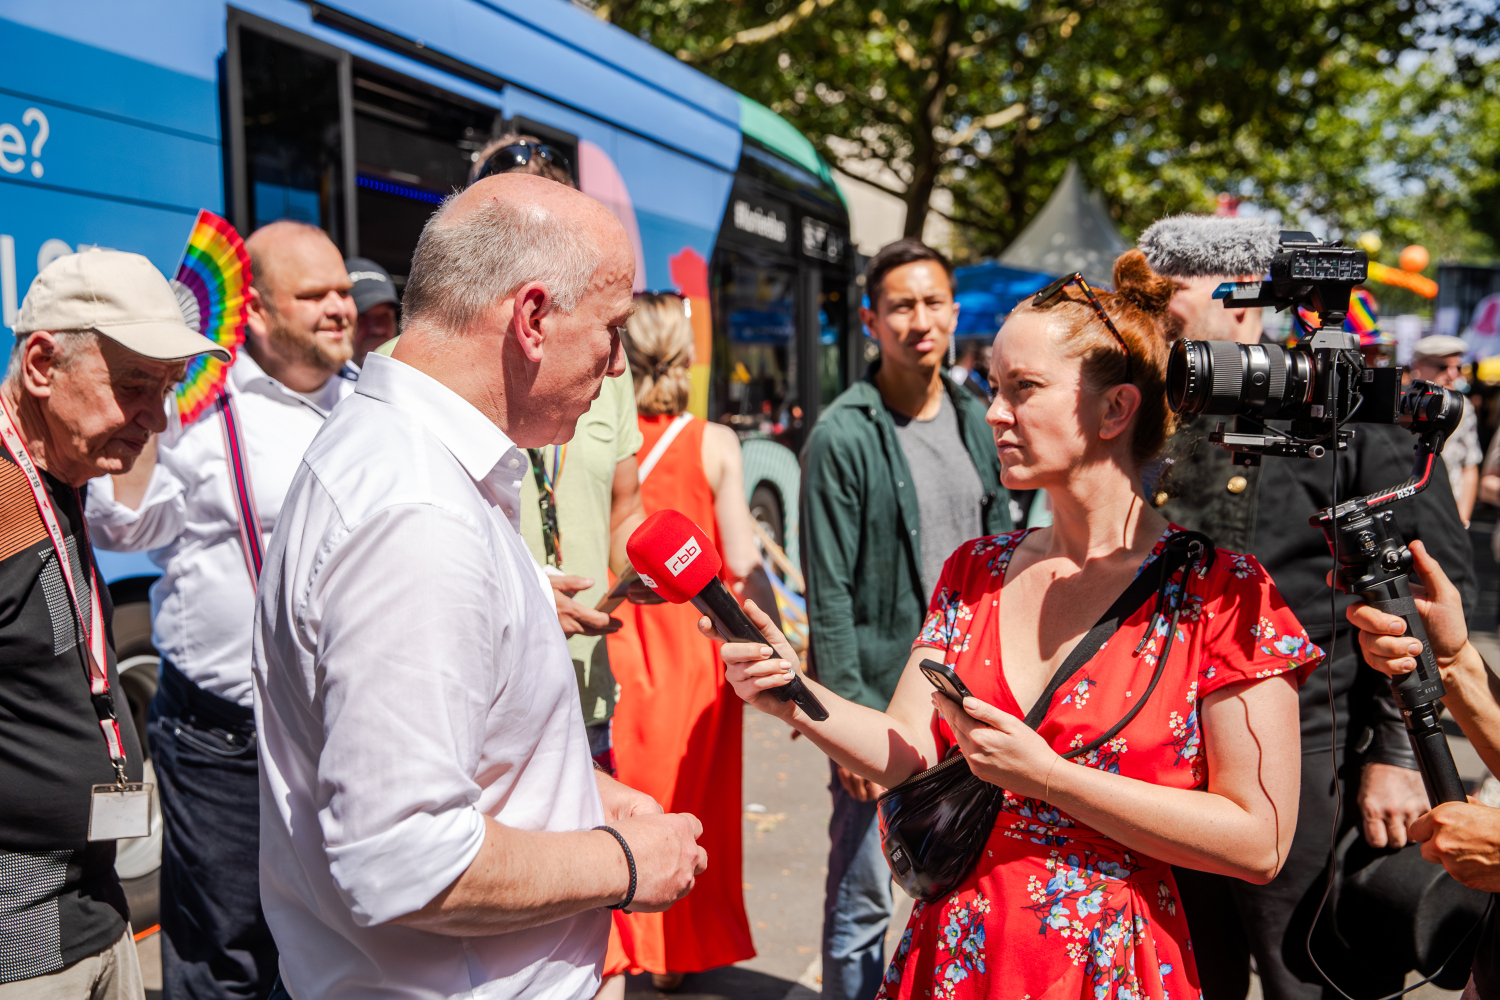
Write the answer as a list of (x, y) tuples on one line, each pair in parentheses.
[(1418, 696), (1373, 562)]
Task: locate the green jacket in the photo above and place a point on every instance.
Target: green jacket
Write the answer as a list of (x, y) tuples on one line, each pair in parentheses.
[(861, 538)]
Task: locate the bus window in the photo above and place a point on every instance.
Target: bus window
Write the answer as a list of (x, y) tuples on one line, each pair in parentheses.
[(755, 366), (833, 322), (413, 147), (292, 165)]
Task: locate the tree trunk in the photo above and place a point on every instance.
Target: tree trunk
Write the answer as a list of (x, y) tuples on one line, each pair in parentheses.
[(927, 151)]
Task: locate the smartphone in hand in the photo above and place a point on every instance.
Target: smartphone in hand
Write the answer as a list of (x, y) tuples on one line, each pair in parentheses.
[(946, 679), (615, 596)]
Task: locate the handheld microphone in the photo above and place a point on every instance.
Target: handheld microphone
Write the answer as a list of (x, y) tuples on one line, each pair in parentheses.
[(1200, 246), (675, 558)]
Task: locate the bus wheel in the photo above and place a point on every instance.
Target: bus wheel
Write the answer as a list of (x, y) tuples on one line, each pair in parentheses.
[(138, 861), (765, 507)]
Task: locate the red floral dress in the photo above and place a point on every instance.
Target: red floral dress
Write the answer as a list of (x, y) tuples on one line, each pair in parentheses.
[(1055, 909)]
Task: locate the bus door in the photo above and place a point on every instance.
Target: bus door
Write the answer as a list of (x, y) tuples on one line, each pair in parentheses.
[(322, 137), (780, 284)]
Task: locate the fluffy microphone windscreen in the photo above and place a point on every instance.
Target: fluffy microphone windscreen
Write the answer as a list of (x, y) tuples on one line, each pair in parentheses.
[(673, 556), (1200, 246)]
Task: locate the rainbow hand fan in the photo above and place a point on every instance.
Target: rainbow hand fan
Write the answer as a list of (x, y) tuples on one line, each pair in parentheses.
[(212, 286)]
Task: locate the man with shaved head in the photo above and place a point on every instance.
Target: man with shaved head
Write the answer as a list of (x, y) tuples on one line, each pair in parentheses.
[(433, 825), (180, 502)]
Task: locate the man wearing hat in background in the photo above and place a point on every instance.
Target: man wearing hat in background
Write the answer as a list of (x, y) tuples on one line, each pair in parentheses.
[(100, 342), (375, 298), (181, 505), (1441, 360)]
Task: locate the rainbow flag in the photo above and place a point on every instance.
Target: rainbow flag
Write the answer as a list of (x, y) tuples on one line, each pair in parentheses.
[(213, 280)]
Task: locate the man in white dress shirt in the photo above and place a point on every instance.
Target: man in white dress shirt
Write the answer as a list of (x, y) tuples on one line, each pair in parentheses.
[(431, 817), (179, 503)]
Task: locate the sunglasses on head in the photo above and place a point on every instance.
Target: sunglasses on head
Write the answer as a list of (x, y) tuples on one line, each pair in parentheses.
[(518, 154), (1055, 289)]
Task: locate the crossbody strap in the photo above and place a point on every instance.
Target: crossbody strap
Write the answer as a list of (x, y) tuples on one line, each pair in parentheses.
[(251, 538), (657, 450), (1180, 548)]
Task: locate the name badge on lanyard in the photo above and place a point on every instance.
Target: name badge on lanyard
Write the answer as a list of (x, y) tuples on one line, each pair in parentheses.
[(123, 809)]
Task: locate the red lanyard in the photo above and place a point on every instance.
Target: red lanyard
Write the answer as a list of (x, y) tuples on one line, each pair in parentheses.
[(98, 678)]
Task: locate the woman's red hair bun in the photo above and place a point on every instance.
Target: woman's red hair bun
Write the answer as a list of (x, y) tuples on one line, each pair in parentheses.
[(1140, 286)]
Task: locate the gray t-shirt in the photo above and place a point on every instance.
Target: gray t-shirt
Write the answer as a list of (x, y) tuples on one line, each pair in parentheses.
[(949, 493)]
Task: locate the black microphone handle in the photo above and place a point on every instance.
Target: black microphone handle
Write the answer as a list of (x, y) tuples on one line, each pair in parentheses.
[(1417, 696), (733, 625)]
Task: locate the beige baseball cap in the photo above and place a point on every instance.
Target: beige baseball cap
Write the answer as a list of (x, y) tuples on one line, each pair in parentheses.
[(121, 295)]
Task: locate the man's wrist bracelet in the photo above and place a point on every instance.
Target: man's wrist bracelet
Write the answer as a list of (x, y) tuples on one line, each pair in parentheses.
[(629, 860)]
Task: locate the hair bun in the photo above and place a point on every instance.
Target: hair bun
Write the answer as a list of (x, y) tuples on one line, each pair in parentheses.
[(1142, 287)]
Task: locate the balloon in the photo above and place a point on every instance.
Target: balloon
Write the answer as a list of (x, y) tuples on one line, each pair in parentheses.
[(1415, 259)]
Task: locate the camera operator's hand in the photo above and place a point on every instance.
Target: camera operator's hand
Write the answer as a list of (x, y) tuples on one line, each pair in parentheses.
[(1464, 837), (1390, 800), (667, 858), (1383, 637)]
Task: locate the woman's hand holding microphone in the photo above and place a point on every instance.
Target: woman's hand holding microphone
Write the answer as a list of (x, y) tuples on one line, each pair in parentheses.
[(753, 669)]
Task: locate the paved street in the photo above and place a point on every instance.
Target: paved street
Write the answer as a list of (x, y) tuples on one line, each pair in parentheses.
[(786, 845)]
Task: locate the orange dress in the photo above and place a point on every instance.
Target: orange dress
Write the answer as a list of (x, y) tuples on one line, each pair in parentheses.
[(677, 737)]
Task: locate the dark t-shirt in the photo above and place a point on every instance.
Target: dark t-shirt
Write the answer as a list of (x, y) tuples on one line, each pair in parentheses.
[(60, 899)]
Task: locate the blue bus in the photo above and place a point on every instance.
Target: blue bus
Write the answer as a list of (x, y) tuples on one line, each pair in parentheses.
[(120, 120)]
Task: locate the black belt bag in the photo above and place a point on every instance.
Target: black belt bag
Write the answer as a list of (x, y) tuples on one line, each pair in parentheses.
[(934, 825)]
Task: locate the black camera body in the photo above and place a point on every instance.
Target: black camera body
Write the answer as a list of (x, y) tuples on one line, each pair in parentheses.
[(1317, 387)]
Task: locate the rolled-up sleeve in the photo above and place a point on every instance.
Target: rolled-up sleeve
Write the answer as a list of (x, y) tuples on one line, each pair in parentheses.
[(158, 521), (406, 676)]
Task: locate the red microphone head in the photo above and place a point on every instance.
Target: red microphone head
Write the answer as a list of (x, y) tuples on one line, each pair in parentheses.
[(673, 556)]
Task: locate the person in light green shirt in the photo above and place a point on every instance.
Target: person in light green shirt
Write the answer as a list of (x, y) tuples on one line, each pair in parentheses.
[(598, 496)]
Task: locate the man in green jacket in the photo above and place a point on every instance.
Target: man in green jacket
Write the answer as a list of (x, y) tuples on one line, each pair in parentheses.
[(899, 471)]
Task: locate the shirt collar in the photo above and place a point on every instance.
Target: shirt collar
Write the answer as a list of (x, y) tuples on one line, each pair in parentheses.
[(246, 375), (469, 435)]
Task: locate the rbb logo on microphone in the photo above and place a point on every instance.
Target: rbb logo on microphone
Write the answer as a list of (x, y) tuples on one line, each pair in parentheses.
[(684, 556), (674, 555)]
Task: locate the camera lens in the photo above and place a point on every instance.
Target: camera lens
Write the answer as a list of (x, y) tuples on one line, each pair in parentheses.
[(1216, 376)]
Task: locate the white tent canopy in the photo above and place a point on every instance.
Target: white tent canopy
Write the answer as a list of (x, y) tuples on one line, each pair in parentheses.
[(1072, 232)]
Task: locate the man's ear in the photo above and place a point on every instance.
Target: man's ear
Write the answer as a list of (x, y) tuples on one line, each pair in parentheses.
[(255, 312), (38, 363), (531, 306)]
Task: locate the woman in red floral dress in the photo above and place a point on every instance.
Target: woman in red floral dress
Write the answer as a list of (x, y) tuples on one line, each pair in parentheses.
[(1073, 895)]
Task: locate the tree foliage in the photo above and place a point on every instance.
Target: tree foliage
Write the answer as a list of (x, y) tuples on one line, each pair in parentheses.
[(1164, 103)]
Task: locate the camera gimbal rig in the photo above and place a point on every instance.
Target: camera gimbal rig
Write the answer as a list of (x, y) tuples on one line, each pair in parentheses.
[(1319, 386), (1373, 562)]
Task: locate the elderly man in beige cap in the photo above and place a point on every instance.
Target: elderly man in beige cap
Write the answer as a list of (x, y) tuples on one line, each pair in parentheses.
[(1440, 359), (99, 344)]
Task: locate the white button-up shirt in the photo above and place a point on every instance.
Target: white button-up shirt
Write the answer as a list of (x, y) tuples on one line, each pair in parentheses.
[(203, 605), (410, 680)]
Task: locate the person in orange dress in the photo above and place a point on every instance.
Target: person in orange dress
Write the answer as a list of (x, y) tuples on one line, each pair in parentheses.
[(677, 726), (1109, 777)]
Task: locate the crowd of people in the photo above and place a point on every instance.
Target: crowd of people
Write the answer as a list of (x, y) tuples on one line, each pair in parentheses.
[(421, 729)]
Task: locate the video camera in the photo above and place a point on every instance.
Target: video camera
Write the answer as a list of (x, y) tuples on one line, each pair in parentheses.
[(1319, 385), (1316, 388)]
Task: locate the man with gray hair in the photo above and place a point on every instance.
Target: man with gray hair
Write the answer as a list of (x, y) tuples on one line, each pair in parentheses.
[(99, 344), (431, 819)]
